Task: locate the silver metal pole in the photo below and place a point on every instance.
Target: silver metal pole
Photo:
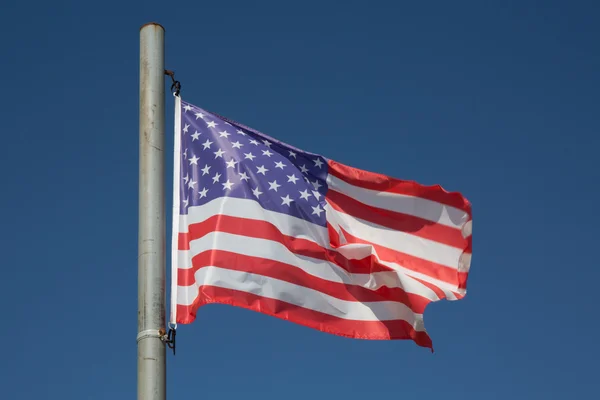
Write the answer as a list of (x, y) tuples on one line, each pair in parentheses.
[(151, 358)]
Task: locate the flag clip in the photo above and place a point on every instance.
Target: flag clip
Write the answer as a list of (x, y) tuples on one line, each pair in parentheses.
[(176, 86), (169, 339)]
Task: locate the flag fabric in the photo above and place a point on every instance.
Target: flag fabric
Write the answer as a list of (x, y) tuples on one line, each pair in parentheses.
[(262, 225)]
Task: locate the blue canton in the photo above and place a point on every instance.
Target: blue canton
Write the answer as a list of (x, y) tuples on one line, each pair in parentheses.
[(224, 159)]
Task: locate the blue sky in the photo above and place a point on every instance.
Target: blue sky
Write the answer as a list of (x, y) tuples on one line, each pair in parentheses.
[(497, 100)]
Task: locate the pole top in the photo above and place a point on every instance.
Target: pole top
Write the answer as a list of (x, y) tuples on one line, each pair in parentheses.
[(152, 23)]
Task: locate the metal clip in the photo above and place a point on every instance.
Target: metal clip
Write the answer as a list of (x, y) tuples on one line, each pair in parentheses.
[(169, 339), (176, 86)]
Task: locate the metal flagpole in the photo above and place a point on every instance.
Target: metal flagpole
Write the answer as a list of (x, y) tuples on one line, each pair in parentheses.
[(151, 356)]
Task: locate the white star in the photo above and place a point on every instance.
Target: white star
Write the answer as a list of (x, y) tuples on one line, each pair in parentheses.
[(318, 163), (227, 123), (236, 145), (207, 144), (286, 200), (244, 177), (216, 177), (292, 154), (224, 134), (317, 210), (250, 156), (185, 154), (205, 169), (199, 115), (186, 127), (274, 185), (304, 169), (186, 178), (203, 192), (254, 142), (193, 160), (262, 170), (241, 132), (292, 178), (231, 163), (187, 107), (267, 153), (267, 143), (191, 184), (195, 136), (304, 195), (211, 124), (227, 185), (316, 194), (279, 164), (219, 153), (256, 192), (185, 202), (316, 184)]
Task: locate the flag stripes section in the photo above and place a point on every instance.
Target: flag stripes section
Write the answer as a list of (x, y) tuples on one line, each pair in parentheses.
[(271, 259), (281, 231)]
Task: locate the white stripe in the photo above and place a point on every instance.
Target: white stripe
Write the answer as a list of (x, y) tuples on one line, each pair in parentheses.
[(245, 208), (276, 251), (298, 295), (425, 249), (411, 205), (176, 205)]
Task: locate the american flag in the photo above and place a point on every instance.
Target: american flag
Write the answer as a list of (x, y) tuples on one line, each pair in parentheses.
[(262, 225)]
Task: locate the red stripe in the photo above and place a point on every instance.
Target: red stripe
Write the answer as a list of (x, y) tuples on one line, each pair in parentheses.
[(426, 267), (295, 275), (439, 292), (458, 296), (397, 221), (383, 183), (183, 241), (373, 330), (265, 230)]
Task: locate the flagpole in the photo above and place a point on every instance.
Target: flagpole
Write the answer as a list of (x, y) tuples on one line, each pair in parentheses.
[(151, 356)]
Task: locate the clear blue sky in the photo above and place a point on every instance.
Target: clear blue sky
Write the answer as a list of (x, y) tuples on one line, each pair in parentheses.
[(497, 100)]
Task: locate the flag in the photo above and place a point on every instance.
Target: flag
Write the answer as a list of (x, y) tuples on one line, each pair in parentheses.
[(262, 225)]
